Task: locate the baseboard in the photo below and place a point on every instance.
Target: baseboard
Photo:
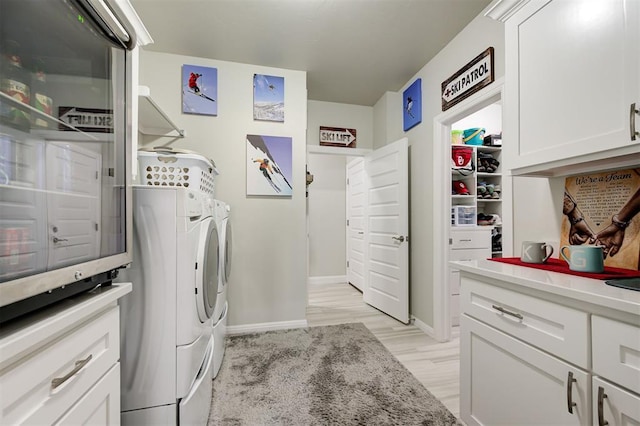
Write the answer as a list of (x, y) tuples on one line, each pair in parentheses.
[(265, 326), (327, 279), (428, 330)]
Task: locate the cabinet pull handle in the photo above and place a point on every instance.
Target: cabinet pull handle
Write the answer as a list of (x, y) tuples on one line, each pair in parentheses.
[(601, 397), (632, 121), (504, 311), (570, 382), (57, 381)]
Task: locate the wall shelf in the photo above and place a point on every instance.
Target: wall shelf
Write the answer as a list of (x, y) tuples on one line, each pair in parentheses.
[(152, 120)]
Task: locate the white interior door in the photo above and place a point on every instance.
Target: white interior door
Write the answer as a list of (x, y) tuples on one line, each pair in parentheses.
[(387, 230), (74, 204), (355, 223)]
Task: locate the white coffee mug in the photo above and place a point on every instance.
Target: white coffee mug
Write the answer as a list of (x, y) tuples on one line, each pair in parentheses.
[(535, 252)]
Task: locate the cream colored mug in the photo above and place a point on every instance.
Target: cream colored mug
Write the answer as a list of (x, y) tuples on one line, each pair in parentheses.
[(535, 252)]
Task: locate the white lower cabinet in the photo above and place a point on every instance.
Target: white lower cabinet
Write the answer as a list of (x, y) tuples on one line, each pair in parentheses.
[(511, 383), (528, 357), (61, 365)]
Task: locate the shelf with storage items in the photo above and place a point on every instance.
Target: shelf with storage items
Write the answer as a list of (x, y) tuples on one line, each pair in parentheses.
[(485, 192)]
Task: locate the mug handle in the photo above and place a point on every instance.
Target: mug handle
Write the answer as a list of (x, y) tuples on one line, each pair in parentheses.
[(545, 246), (563, 255)]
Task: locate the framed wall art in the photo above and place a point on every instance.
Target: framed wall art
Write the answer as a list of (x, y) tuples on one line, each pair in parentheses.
[(268, 98), (269, 165), (199, 90), (412, 105)]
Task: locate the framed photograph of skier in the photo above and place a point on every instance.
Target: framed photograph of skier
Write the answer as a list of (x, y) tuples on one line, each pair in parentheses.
[(199, 90), (412, 105), (269, 165), (268, 98)]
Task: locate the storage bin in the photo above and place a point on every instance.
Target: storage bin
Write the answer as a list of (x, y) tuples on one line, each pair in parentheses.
[(473, 136), (463, 215), (456, 137), (177, 168)]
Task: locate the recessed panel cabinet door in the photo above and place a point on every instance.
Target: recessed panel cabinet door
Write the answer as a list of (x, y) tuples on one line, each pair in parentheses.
[(573, 70), (614, 405), (504, 381)]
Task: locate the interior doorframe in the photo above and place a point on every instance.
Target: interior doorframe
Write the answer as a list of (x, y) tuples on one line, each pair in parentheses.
[(442, 201)]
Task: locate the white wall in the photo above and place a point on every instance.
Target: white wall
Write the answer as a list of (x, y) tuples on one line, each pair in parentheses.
[(476, 37), (268, 280), (326, 205), (387, 125)]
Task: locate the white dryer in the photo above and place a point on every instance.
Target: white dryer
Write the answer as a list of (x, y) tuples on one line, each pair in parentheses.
[(166, 344), (223, 211)]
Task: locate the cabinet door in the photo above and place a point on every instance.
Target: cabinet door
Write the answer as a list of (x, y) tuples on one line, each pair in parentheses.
[(505, 381), (614, 405), (574, 73), (100, 405)]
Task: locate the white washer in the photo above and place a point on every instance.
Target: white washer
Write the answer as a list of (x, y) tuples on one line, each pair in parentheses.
[(166, 344), (223, 211)]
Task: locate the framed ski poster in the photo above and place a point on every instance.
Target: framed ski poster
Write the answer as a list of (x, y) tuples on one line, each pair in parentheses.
[(269, 165), (412, 105), (199, 90), (268, 98)]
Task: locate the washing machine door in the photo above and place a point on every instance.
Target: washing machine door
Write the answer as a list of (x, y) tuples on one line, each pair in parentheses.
[(227, 251), (207, 269)]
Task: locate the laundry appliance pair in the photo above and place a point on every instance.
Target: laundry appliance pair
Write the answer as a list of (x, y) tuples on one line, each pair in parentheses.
[(167, 343)]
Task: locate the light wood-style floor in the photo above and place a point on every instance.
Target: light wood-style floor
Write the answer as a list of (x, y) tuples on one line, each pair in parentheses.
[(436, 365)]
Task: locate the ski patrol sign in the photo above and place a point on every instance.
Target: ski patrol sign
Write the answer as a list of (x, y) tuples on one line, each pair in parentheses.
[(469, 79)]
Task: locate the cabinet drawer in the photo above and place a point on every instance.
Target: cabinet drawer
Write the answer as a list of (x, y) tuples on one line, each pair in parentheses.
[(470, 254), (84, 355), (471, 239), (616, 351), (555, 328)]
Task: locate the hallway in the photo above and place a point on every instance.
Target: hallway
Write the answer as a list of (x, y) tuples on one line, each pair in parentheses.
[(435, 365)]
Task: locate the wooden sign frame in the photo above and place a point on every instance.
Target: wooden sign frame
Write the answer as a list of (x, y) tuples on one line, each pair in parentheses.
[(469, 79)]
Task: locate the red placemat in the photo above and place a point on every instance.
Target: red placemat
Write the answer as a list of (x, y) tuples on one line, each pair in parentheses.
[(557, 265)]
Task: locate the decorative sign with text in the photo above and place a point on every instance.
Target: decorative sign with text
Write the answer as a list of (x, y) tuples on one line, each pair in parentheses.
[(337, 136), (472, 77), (86, 119), (602, 209)]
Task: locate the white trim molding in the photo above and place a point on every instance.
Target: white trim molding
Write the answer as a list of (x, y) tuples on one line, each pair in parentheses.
[(265, 326), (336, 150), (501, 10), (428, 330), (327, 279)]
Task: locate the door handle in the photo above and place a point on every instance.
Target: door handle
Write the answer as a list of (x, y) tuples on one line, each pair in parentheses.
[(399, 238), (360, 232), (601, 397), (59, 240), (632, 121), (79, 365), (570, 382)]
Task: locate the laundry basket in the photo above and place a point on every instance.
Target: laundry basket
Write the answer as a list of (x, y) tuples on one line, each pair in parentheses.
[(167, 167)]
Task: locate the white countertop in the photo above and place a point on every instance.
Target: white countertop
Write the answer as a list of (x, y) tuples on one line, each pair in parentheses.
[(579, 288)]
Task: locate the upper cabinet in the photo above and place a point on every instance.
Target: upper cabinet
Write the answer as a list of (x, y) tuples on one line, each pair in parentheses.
[(572, 86)]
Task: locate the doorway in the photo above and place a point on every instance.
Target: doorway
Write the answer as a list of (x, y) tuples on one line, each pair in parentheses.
[(376, 232), (443, 201)]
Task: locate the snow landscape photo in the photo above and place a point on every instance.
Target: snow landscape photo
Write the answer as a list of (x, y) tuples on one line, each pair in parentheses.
[(269, 165), (268, 98), (199, 90)]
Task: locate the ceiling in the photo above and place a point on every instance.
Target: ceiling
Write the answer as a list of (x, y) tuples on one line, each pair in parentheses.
[(353, 50)]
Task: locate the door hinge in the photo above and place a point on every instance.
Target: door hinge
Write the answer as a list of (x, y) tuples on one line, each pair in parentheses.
[(95, 226), (450, 241), (347, 263), (347, 222), (97, 175), (196, 266), (347, 181)]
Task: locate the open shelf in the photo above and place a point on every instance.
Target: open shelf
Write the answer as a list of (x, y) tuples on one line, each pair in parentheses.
[(152, 120)]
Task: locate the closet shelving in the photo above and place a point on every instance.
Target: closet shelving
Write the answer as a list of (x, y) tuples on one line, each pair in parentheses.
[(473, 180)]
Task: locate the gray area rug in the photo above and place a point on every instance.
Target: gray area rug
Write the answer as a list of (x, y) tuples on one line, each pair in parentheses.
[(332, 375)]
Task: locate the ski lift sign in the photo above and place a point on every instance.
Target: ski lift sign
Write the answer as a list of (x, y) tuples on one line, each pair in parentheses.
[(337, 136), (468, 80)]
